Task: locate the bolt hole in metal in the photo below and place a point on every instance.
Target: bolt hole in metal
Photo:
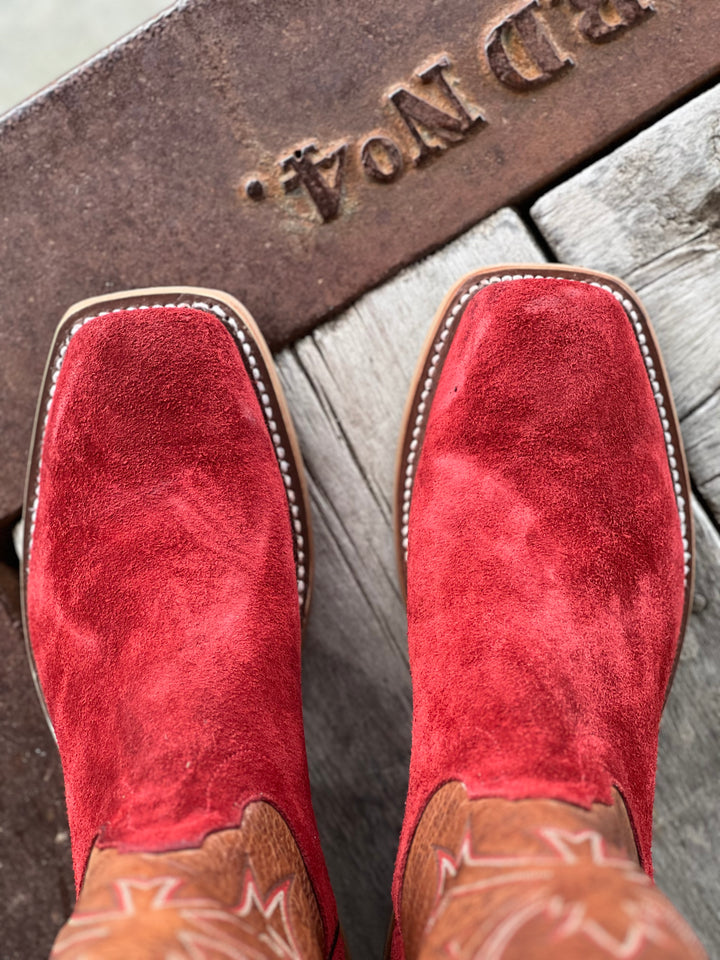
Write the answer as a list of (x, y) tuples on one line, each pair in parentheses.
[(255, 189)]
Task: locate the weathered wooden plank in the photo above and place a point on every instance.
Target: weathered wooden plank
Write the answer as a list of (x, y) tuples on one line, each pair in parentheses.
[(687, 810), (701, 429), (346, 384), (650, 213), (36, 883)]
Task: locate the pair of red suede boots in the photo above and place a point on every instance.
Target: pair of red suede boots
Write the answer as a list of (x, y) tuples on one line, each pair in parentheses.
[(543, 530)]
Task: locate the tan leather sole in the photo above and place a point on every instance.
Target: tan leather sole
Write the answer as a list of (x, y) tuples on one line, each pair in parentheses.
[(260, 366)]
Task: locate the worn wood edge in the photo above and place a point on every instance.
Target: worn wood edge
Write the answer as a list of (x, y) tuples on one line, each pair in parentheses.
[(349, 378), (317, 622), (687, 814)]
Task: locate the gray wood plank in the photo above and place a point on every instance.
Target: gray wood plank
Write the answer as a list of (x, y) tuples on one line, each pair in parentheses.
[(36, 881), (346, 384), (687, 809), (650, 213), (701, 430)]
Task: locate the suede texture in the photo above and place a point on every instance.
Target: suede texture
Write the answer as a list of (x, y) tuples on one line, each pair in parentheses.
[(545, 560), (162, 597)]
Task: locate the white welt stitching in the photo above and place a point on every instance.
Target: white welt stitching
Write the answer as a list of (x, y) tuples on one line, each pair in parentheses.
[(433, 366), (245, 344)]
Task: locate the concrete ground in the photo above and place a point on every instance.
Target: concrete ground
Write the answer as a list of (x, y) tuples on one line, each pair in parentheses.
[(42, 39)]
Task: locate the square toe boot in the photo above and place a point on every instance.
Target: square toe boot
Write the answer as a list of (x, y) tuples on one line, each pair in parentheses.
[(165, 575), (544, 533)]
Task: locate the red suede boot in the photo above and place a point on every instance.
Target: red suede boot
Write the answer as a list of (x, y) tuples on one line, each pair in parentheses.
[(166, 571), (544, 530)]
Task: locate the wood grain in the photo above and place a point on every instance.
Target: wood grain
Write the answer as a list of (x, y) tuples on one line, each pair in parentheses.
[(346, 384), (686, 847)]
